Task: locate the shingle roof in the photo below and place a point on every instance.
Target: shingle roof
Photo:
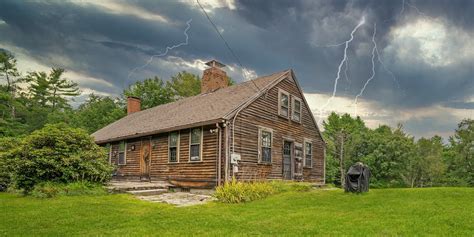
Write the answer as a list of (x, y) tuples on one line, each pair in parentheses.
[(195, 110)]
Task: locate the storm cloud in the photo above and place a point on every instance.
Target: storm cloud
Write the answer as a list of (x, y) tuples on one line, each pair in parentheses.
[(425, 46)]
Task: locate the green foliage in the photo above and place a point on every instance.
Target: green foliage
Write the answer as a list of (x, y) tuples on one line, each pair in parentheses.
[(459, 156), (238, 192), (51, 90), (6, 161), (97, 112), (184, 84), (151, 91), (51, 189), (58, 153)]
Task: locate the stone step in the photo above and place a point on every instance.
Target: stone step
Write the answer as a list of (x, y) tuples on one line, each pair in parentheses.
[(148, 192)]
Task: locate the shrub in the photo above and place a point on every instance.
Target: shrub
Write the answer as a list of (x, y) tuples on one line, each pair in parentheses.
[(6, 160), (50, 189), (237, 192), (60, 154)]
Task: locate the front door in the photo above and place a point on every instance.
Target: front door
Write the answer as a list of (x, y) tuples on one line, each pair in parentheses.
[(287, 153), (145, 158)]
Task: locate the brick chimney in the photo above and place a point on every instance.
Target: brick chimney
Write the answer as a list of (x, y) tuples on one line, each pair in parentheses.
[(133, 104), (214, 78)]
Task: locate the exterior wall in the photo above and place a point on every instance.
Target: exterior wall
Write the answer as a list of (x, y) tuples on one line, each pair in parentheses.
[(182, 173), (264, 112)]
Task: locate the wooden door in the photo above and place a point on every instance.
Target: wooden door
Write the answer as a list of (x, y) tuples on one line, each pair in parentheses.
[(145, 159), (287, 153)]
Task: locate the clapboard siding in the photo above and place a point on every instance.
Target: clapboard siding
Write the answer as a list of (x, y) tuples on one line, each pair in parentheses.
[(264, 112)]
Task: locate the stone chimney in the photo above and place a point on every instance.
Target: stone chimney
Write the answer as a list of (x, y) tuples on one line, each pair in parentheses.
[(214, 78), (133, 104)]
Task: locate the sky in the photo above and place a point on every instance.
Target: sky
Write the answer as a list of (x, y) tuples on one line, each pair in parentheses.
[(391, 62)]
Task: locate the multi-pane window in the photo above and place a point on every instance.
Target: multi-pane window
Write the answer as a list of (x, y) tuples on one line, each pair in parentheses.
[(284, 103), (195, 148), (173, 146), (308, 154), (265, 146), (296, 116), (122, 153)]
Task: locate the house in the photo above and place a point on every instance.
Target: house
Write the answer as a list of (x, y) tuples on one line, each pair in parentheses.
[(259, 129)]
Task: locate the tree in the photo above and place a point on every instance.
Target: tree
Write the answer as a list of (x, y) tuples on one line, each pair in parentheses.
[(8, 71), (60, 89), (459, 156), (97, 112), (51, 90), (151, 91), (184, 84), (342, 134), (427, 165)]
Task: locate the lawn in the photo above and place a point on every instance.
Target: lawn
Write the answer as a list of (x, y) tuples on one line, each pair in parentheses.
[(429, 211)]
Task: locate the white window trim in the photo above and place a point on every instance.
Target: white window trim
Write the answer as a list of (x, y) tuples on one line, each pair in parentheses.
[(177, 147), (260, 130), (304, 153), (293, 108), (124, 153), (200, 145), (280, 92)]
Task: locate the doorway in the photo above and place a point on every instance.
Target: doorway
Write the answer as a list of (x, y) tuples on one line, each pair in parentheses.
[(145, 159), (287, 157)]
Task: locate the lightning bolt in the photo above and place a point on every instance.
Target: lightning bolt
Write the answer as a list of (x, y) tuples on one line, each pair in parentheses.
[(374, 53), (167, 49), (343, 61)]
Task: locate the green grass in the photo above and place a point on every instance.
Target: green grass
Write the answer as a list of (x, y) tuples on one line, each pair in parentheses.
[(407, 212)]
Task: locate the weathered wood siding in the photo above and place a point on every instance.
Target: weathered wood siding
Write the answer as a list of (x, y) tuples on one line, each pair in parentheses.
[(264, 112), (198, 173)]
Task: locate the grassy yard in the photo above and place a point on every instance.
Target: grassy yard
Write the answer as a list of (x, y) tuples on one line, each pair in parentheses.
[(430, 211)]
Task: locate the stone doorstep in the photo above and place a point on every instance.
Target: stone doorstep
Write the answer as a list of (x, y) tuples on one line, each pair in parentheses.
[(148, 192), (179, 199)]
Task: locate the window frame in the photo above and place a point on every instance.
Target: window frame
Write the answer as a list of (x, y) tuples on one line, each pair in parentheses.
[(176, 146), (294, 98), (259, 152), (280, 93), (200, 144), (307, 141), (124, 153)]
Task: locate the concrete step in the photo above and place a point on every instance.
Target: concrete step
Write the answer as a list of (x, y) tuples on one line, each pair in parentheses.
[(148, 192)]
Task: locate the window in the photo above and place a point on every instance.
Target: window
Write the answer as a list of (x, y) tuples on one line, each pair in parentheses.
[(173, 145), (122, 153), (296, 116), (308, 154), (265, 150), (195, 145), (283, 103)]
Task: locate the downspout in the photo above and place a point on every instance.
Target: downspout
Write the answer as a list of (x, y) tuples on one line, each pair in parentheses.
[(219, 154), (226, 145)]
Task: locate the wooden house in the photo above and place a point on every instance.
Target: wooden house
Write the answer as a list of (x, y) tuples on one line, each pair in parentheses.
[(256, 130)]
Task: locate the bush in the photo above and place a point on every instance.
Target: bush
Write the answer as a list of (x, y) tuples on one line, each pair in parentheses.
[(6, 161), (60, 154), (50, 189), (237, 192)]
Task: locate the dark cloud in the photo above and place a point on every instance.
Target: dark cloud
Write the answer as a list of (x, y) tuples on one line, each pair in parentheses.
[(267, 36)]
